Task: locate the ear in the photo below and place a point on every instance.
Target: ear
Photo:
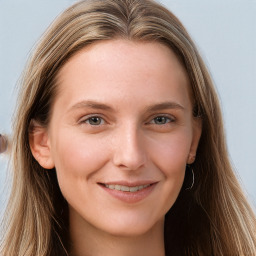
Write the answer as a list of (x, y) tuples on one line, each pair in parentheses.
[(40, 145), (197, 131)]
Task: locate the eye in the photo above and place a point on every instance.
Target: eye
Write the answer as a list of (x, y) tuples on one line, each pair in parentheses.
[(94, 120), (160, 120)]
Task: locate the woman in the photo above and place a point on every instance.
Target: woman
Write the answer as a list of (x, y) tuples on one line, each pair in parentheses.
[(118, 144)]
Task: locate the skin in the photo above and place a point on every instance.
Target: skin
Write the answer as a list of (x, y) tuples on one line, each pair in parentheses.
[(123, 113)]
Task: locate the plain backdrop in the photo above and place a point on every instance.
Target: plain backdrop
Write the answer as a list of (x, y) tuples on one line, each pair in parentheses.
[(224, 31)]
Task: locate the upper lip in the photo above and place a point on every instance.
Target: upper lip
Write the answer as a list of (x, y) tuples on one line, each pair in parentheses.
[(128, 183)]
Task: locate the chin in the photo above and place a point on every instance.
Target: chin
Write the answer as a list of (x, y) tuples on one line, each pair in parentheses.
[(134, 227)]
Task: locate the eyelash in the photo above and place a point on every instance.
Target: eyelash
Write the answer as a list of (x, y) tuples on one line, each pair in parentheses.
[(87, 120), (167, 120)]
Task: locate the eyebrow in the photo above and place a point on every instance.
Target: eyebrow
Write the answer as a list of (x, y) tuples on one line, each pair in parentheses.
[(91, 104), (96, 105), (165, 105)]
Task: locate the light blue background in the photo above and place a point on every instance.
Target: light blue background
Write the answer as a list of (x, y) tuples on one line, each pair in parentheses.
[(225, 32)]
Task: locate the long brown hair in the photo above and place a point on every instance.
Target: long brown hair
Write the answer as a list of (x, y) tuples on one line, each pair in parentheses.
[(213, 218)]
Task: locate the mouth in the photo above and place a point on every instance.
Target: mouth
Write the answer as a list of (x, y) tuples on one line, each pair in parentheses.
[(131, 189), (129, 192)]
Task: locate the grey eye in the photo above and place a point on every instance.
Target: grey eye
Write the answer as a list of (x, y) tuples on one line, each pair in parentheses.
[(94, 120), (161, 120)]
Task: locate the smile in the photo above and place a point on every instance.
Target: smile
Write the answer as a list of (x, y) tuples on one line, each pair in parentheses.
[(129, 193), (126, 188)]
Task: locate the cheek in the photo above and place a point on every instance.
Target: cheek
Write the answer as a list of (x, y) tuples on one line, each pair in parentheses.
[(170, 155), (78, 155)]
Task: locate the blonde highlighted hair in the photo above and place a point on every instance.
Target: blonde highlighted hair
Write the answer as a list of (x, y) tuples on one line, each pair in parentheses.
[(213, 218)]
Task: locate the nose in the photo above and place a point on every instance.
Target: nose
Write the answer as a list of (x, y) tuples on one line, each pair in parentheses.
[(129, 151)]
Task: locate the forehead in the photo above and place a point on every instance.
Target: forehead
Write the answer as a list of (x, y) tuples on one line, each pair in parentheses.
[(124, 68)]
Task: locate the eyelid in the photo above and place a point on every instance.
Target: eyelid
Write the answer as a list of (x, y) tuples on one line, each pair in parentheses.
[(85, 118), (171, 117)]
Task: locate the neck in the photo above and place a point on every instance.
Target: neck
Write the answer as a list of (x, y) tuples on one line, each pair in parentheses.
[(87, 240)]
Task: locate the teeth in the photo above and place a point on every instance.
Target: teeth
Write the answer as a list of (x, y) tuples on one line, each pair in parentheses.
[(126, 188), (117, 187), (133, 189)]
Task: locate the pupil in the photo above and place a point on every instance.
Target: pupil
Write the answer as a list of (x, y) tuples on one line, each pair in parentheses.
[(160, 120), (94, 120)]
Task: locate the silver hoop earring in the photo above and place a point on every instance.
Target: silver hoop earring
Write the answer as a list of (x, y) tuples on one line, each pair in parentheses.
[(193, 177)]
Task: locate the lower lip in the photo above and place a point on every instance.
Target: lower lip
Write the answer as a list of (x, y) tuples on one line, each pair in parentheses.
[(130, 197)]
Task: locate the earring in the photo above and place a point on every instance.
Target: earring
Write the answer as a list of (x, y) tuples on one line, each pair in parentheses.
[(189, 177)]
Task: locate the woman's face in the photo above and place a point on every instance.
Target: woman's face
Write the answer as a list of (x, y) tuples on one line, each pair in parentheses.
[(121, 134)]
